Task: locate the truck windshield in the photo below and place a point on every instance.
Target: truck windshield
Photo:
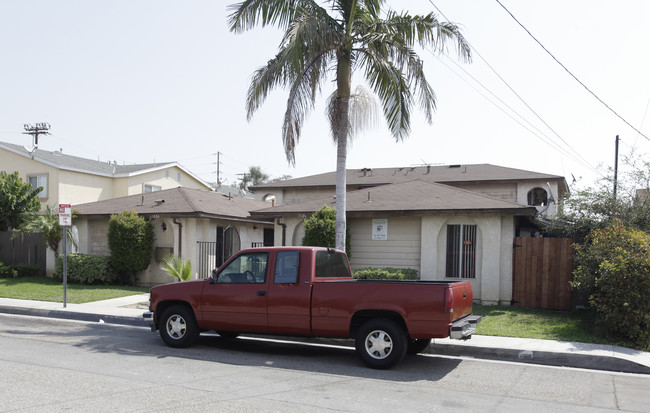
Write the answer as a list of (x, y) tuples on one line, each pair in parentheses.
[(332, 264)]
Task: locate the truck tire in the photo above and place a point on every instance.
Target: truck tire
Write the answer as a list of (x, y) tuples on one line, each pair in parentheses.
[(178, 327), (381, 343), (416, 346)]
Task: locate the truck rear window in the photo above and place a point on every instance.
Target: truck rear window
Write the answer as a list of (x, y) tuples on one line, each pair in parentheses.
[(332, 264)]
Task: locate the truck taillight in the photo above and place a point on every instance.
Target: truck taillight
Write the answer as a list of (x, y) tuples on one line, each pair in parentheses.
[(449, 300)]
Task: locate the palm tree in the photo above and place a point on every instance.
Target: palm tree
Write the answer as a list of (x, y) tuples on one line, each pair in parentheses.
[(47, 224), (336, 39)]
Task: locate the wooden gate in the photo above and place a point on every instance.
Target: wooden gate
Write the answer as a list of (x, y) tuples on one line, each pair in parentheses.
[(542, 270)]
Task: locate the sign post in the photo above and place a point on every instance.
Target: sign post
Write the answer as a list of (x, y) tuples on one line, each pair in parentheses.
[(65, 220)]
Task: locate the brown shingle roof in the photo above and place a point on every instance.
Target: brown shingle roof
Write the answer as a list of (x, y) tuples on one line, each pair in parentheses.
[(176, 202), (438, 174), (408, 198)]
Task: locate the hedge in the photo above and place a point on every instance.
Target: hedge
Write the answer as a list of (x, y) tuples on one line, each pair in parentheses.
[(23, 270), (386, 274), (87, 269)]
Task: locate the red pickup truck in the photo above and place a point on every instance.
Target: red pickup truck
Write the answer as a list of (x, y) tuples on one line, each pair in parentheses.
[(309, 291)]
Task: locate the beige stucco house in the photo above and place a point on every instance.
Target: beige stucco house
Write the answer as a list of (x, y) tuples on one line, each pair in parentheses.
[(68, 179), (201, 226), (447, 222), (73, 180)]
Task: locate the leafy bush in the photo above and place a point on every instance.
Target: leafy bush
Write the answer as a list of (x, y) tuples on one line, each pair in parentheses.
[(22, 270), (386, 274), (130, 240), (26, 270), (320, 230), (613, 269), (87, 269), (5, 270)]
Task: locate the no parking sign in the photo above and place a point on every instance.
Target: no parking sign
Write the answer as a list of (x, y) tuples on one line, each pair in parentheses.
[(65, 215)]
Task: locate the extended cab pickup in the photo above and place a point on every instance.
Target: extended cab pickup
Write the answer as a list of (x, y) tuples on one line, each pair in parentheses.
[(309, 291)]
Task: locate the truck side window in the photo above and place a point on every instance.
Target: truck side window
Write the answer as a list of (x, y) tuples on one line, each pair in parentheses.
[(245, 269), (286, 267), (330, 264)]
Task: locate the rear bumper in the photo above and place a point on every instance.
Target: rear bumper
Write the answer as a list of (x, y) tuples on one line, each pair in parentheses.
[(463, 328)]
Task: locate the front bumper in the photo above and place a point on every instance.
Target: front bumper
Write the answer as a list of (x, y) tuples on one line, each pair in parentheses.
[(149, 319), (463, 328)]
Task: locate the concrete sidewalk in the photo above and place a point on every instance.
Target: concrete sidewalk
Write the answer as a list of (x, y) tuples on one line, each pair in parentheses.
[(128, 311)]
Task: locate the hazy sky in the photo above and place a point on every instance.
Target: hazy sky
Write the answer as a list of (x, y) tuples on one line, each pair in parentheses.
[(141, 80)]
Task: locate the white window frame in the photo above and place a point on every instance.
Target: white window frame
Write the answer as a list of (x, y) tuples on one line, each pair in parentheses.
[(152, 188), (41, 180)]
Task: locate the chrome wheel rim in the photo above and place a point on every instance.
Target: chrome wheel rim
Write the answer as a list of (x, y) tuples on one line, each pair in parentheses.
[(379, 344), (176, 326)]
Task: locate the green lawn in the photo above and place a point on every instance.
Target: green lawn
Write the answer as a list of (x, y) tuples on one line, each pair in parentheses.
[(510, 321), (48, 289)]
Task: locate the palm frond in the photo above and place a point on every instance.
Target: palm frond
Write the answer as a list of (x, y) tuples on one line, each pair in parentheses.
[(177, 267), (251, 13)]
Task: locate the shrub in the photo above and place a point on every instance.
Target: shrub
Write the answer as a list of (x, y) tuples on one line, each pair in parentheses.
[(26, 270), (22, 270), (386, 274), (87, 269), (130, 240), (613, 269), (5, 270), (320, 230)]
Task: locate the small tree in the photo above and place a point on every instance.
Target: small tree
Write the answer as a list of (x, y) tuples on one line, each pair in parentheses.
[(177, 267), (47, 224), (320, 229), (613, 269), (17, 199), (130, 240), (597, 207)]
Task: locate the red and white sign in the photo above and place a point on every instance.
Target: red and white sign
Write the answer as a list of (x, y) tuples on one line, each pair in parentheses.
[(65, 214)]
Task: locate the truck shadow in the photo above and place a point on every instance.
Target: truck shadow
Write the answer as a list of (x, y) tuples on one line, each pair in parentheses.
[(318, 356)]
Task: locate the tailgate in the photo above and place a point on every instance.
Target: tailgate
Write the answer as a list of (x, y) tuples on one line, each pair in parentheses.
[(462, 304)]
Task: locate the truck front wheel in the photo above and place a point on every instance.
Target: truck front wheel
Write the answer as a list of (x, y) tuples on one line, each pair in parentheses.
[(178, 327), (381, 343)]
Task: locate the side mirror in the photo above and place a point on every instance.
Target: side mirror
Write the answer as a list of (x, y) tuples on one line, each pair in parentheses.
[(213, 276)]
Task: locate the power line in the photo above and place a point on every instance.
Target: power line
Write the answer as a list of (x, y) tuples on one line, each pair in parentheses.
[(549, 141), (557, 147), (569, 72)]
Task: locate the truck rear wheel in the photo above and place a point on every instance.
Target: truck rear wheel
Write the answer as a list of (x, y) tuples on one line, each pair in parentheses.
[(381, 343), (178, 327)]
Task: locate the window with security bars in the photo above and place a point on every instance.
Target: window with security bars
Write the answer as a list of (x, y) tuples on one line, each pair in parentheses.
[(461, 251)]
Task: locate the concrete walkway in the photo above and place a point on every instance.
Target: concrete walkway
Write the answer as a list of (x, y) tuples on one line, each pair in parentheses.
[(128, 311)]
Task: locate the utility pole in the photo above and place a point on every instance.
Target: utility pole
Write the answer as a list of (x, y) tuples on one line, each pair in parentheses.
[(616, 165), (218, 173), (36, 130)]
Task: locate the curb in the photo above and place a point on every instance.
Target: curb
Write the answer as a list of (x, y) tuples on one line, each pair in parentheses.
[(73, 315), (547, 358)]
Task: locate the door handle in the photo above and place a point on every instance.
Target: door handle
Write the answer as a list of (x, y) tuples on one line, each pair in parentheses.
[(261, 293)]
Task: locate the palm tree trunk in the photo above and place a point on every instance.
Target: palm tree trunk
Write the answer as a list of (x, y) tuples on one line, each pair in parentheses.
[(343, 80), (341, 183)]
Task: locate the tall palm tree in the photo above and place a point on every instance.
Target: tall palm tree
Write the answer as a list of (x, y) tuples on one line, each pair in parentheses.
[(336, 39)]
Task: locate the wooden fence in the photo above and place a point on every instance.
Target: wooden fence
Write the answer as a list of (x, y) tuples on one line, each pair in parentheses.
[(542, 270), (23, 249)]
